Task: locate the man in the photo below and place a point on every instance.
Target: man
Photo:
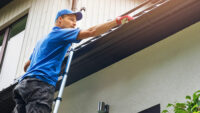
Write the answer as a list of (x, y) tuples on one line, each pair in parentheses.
[(35, 91)]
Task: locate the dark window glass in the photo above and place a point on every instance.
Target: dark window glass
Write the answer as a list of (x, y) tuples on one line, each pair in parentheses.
[(18, 26), (153, 109), (1, 37)]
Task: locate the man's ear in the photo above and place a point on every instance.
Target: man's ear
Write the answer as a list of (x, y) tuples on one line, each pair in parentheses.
[(59, 19)]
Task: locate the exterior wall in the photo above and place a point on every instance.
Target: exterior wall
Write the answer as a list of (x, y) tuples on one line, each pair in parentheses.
[(12, 54), (99, 11), (163, 73), (9, 14)]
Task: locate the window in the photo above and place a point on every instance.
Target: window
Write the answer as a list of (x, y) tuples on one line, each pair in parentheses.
[(9, 32), (18, 26), (153, 109)]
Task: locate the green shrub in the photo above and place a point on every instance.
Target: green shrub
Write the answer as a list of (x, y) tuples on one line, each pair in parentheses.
[(192, 105)]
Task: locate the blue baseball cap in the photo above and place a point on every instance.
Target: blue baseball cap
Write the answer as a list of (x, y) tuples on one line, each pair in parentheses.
[(67, 12)]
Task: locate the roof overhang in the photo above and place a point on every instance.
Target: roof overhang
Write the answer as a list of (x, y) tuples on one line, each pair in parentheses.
[(146, 30)]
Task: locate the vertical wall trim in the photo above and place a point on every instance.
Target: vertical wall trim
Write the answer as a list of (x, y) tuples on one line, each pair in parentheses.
[(4, 45)]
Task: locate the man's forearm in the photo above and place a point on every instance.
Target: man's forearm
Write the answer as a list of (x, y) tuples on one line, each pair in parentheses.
[(102, 28), (96, 30)]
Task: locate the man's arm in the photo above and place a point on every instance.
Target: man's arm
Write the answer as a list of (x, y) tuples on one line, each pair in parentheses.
[(96, 30), (102, 28), (26, 65)]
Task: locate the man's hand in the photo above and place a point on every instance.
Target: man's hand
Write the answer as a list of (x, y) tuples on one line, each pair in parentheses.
[(123, 19), (26, 65)]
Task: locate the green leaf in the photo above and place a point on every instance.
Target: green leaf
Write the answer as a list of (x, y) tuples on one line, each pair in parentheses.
[(194, 107), (170, 105), (165, 111), (196, 112), (195, 97), (197, 91), (180, 111), (188, 97), (188, 102), (180, 105)]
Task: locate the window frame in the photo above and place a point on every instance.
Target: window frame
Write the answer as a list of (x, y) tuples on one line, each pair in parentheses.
[(6, 37), (4, 45)]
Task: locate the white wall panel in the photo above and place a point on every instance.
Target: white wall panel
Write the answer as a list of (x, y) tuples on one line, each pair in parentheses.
[(12, 54), (10, 13), (99, 11)]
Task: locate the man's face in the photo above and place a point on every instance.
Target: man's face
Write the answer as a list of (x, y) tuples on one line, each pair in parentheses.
[(67, 21)]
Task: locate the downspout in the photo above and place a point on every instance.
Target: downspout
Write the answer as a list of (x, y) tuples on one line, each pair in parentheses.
[(74, 5)]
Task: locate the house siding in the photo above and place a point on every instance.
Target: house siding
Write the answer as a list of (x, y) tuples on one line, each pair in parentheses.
[(99, 11), (9, 14)]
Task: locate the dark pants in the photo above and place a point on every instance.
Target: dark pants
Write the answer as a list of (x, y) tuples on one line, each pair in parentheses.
[(33, 96)]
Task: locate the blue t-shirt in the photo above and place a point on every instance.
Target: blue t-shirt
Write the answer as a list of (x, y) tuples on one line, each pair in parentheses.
[(49, 53)]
